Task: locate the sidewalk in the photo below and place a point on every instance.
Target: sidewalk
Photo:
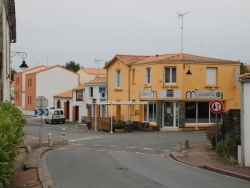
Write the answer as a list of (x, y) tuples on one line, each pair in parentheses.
[(203, 157)]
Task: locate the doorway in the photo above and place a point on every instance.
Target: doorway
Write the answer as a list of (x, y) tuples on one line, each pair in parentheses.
[(170, 114)]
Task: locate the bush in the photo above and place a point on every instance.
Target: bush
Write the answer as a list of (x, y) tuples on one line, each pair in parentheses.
[(220, 148), (11, 135), (119, 124), (211, 134), (232, 141)]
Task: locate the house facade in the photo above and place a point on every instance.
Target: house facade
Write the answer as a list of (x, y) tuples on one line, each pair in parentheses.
[(19, 87), (46, 82), (78, 102), (88, 74), (178, 88), (245, 119), (7, 36)]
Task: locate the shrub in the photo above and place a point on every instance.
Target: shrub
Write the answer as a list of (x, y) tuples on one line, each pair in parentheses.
[(211, 134), (232, 141), (11, 135), (220, 148), (119, 124)]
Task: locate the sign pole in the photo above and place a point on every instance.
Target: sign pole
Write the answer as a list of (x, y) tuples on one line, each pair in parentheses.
[(216, 132), (40, 131)]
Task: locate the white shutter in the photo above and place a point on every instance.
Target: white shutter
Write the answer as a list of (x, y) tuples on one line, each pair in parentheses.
[(211, 76), (145, 76), (115, 79)]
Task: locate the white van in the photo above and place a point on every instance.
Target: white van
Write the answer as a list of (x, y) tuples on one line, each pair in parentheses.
[(55, 115)]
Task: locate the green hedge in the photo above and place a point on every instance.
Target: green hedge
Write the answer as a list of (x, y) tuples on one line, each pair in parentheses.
[(11, 136)]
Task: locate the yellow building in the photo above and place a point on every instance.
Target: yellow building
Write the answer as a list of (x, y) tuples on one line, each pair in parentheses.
[(178, 88)]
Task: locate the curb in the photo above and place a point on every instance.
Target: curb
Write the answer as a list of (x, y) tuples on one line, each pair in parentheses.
[(213, 169)]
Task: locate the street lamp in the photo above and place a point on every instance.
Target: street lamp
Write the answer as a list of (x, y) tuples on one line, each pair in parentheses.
[(23, 66)]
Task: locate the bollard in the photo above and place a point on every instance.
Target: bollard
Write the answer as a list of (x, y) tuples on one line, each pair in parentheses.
[(49, 140), (63, 133), (179, 146), (187, 144)]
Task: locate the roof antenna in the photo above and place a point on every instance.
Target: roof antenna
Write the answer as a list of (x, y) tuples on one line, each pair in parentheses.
[(180, 15), (98, 61)]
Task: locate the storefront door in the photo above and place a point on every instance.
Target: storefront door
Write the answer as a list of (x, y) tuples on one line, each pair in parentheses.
[(170, 114)]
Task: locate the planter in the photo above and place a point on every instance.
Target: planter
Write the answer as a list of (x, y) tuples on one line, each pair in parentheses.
[(119, 131)]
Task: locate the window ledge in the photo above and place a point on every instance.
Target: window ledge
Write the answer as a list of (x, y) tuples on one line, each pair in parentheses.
[(169, 85), (211, 86), (118, 89)]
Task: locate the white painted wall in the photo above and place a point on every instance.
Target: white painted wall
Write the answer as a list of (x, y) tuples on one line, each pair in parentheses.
[(5, 54), (84, 77), (96, 94), (81, 104), (246, 119), (54, 81)]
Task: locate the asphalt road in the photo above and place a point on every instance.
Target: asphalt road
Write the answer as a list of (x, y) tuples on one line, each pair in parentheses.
[(99, 159), (71, 168)]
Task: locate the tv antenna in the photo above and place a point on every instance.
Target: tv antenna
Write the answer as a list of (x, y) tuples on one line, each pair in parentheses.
[(98, 61), (180, 15)]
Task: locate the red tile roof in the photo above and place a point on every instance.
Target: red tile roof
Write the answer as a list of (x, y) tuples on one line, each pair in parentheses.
[(183, 57), (94, 71), (98, 80)]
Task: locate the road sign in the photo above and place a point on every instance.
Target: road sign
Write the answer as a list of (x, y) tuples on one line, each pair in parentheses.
[(216, 106), (41, 102), (41, 112)]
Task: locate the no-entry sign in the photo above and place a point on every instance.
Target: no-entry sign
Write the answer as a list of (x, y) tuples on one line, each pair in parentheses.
[(216, 106)]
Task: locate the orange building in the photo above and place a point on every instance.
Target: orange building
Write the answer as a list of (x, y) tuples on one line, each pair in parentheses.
[(178, 88)]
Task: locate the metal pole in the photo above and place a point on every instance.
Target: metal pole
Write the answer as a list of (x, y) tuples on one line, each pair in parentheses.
[(111, 131), (216, 126), (95, 116), (40, 131)]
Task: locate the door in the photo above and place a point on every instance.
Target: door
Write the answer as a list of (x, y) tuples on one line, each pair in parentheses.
[(168, 110)]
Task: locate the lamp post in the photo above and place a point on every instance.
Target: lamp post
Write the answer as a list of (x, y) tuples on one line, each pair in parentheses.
[(23, 66)]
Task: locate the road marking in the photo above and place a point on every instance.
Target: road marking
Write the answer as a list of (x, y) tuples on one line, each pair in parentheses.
[(87, 138)]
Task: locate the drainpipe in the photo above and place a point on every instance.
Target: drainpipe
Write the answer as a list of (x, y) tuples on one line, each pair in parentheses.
[(242, 124), (129, 91)]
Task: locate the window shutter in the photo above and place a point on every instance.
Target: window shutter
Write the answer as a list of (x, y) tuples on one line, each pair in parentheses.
[(211, 76), (115, 79), (120, 79)]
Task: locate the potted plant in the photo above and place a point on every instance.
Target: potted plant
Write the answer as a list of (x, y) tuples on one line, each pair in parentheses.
[(119, 126)]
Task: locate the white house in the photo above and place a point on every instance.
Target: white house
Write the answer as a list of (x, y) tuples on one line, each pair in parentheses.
[(96, 90), (72, 101), (245, 119), (46, 82)]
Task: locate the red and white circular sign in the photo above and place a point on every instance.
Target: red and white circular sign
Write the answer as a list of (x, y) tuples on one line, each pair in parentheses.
[(216, 106)]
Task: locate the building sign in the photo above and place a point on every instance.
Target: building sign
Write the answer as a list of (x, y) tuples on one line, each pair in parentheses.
[(169, 93), (147, 94), (102, 89), (203, 94)]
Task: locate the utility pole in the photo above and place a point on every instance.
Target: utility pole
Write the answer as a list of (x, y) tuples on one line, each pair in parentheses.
[(180, 15), (98, 61)]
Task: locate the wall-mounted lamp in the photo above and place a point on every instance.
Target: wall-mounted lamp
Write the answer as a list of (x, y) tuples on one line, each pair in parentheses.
[(196, 88), (212, 88), (169, 87), (187, 65), (23, 66)]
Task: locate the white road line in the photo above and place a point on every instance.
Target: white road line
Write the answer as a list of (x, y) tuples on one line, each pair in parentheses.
[(87, 138)]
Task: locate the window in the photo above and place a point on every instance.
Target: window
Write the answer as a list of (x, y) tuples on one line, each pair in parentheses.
[(91, 92), (147, 75), (103, 95), (133, 75), (117, 79), (211, 76), (151, 112), (199, 112), (170, 75)]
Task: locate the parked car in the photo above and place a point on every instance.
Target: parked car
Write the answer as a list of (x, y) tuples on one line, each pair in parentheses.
[(55, 115)]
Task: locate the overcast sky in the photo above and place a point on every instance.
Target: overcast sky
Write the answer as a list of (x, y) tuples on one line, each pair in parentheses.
[(55, 32)]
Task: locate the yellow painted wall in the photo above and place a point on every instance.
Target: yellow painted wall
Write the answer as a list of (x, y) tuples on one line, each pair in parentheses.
[(130, 89)]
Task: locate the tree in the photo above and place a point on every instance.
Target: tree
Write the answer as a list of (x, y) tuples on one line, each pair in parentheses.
[(243, 68), (72, 66), (13, 71)]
